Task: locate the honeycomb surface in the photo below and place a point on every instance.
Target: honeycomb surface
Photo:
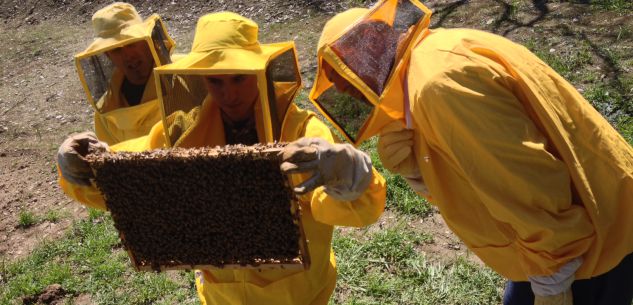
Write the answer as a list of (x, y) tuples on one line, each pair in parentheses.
[(201, 207)]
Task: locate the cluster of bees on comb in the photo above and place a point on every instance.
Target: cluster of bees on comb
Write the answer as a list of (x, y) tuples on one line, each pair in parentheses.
[(202, 207)]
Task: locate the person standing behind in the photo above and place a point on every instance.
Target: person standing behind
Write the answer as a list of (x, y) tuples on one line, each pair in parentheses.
[(531, 178), (116, 71)]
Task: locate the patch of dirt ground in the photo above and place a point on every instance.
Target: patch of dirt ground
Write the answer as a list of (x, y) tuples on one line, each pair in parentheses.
[(53, 294), (442, 246), (41, 100)]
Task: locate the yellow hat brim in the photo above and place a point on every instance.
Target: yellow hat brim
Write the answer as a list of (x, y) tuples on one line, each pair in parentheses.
[(226, 60), (127, 35)]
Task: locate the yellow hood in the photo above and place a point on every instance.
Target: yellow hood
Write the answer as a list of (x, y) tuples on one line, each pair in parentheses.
[(115, 26), (119, 24), (227, 43), (375, 67)]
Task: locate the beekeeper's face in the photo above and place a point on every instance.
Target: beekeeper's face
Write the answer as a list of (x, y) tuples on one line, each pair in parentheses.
[(340, 83), (134, 60), (236, 94)]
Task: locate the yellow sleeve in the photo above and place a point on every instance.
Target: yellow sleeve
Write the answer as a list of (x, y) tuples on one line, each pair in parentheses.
[(87, 195), (361, 212), (90, 195), (481, 128)]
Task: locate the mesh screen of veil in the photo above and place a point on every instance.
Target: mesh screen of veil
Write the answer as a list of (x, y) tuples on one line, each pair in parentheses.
[(283, 81), (370, 48), (181, 93), (161, 44), (98, 68), (349, 113)]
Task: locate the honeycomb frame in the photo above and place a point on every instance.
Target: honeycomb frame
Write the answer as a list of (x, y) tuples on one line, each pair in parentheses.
[(145, 212)]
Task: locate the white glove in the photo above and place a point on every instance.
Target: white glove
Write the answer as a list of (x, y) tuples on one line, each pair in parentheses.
[(70, 157), (344, 171), (563, 298), (555, 289)]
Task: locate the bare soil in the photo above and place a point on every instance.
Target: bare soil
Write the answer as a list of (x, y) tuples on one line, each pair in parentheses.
[(53, 294), (41, 100)]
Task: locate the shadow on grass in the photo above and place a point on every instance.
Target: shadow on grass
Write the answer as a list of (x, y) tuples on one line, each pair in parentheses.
[(509, 16), (444, 11), (614, 74)]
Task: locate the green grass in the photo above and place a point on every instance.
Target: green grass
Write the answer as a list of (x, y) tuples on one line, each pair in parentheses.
[(89, 260), (624, 32), (625, 127), (385, 267), (52, 216), (613, 5), (26, 219), (514, 6), (565, 64), (610, 97)]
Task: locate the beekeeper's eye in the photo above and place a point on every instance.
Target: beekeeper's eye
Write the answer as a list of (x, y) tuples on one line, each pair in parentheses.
[(215, 81), (238, 79)]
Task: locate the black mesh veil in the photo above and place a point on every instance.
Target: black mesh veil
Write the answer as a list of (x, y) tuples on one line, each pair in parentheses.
[(181, 95), (370, 48), (348, 112), (283, 81), (162, 45), (366, 56), (96, 70)]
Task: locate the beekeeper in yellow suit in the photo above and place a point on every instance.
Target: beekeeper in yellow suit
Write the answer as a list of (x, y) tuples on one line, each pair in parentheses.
[(531, 178), (116, 71), (240, 91)]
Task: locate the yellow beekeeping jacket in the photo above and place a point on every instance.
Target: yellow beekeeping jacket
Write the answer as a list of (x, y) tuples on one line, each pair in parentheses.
[(117, 25), (118, 121), (320, 213), (523, 169)]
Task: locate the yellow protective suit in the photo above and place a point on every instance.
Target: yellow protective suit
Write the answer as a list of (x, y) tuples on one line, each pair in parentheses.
[(203, 126), (523, 169), (118, 25), (118, 121)]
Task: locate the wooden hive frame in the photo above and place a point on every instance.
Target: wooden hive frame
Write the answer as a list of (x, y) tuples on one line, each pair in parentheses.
[(113, 172)]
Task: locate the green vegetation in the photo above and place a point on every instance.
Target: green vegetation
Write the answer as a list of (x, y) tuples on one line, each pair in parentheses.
[(613, 5), (89, 260), (348, 112), (26, 219), (611, 97), (513, 6), (52, 216), (625, 127), (384, 267)]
